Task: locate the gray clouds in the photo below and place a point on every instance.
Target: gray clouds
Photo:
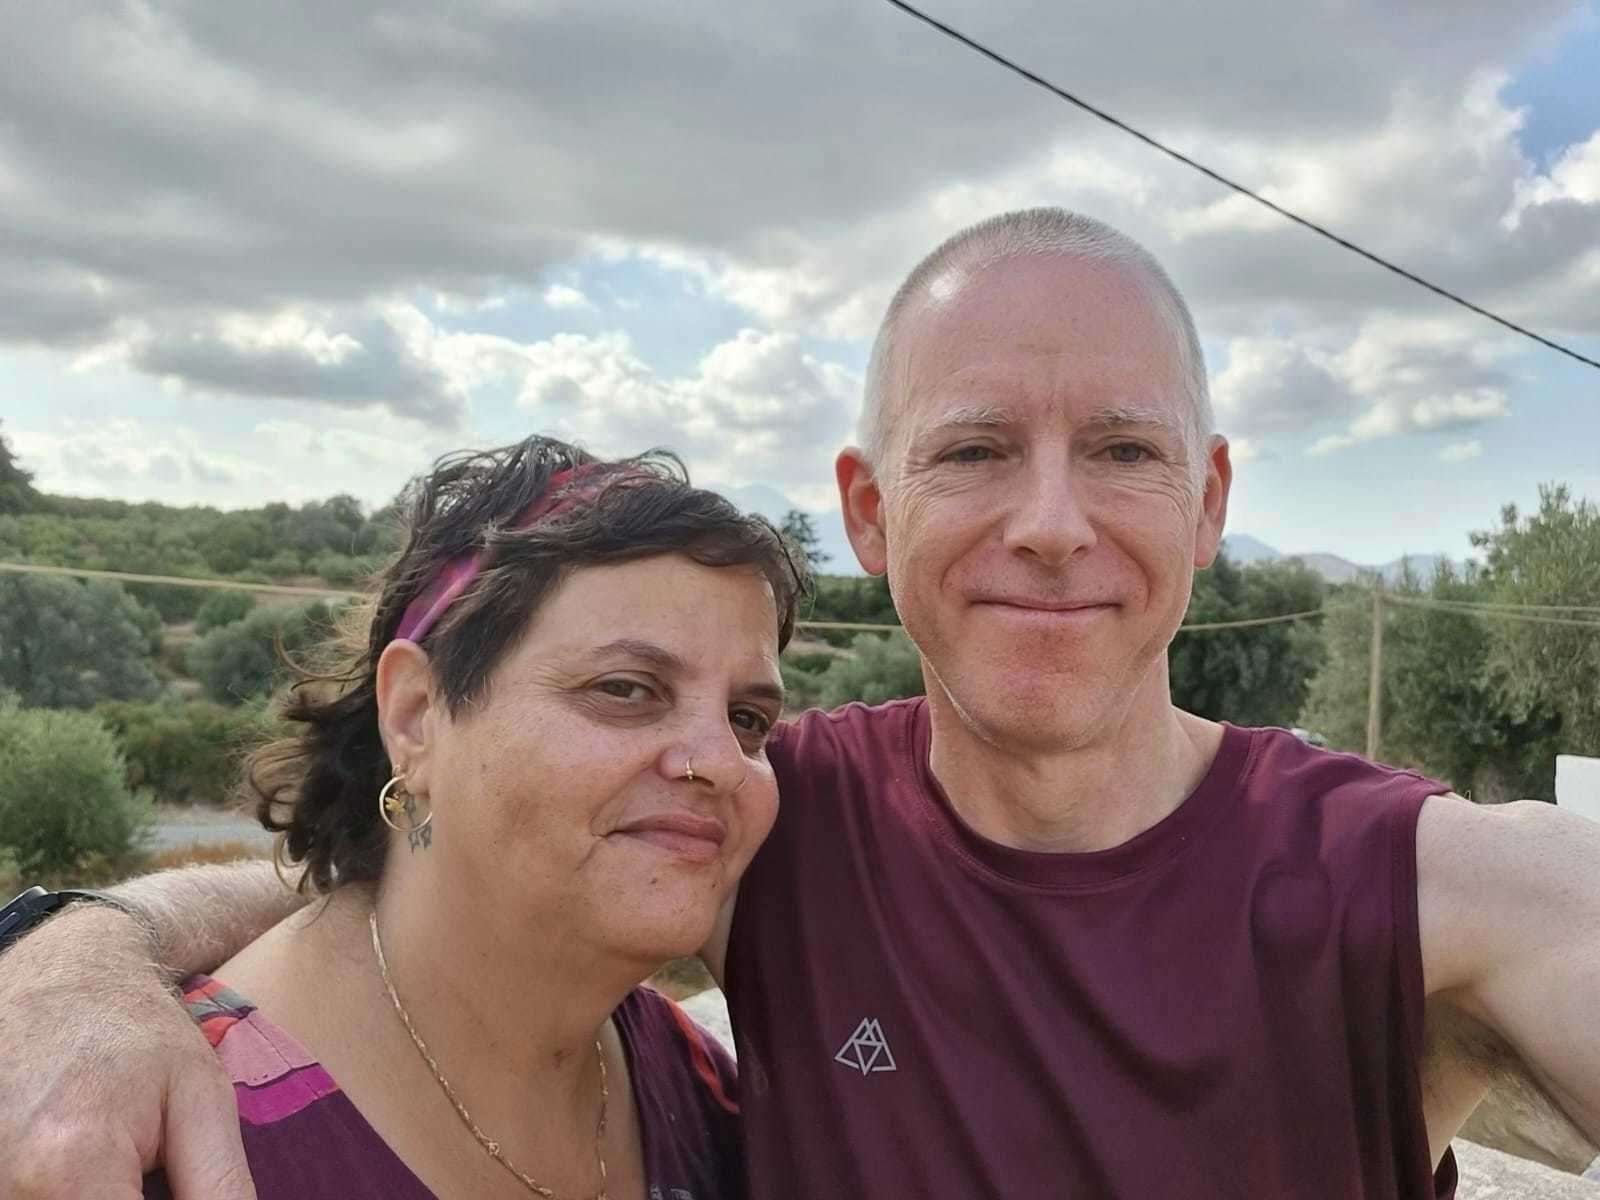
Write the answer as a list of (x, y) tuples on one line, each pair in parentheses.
[(238, 196)]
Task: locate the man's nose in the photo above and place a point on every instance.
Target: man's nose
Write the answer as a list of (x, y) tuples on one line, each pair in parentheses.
[(1049, 519)]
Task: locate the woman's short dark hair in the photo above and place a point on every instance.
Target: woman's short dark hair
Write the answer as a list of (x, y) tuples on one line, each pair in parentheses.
[(318, 787)]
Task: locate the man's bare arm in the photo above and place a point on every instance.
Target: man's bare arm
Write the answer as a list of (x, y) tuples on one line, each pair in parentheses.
[(1509, 908), (202, 916), (104, 1073)]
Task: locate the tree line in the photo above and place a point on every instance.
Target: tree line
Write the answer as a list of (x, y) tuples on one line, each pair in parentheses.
[(1484, 679)]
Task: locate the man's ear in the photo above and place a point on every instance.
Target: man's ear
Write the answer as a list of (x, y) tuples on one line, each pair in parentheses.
[(405, 701), (861, 501), (1213, 502)]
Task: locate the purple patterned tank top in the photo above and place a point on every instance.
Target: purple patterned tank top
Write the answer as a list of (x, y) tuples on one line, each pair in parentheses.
[(305, 1140)]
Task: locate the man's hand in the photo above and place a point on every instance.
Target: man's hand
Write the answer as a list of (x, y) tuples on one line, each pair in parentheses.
[(1509, 907), (104, 1076)]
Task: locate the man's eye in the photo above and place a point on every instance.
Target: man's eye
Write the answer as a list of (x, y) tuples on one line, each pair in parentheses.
[(970, 454), (1128, 452)]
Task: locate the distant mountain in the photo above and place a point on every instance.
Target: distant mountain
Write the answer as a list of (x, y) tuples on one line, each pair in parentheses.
[(1244, 549), (1331, 567), (1240, 547)]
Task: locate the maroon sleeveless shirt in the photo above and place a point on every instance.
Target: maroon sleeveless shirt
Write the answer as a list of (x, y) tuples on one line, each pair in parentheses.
[(1228, 1005)]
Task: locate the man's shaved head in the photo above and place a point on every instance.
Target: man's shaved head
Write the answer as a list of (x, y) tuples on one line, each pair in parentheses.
[(1026, 233)]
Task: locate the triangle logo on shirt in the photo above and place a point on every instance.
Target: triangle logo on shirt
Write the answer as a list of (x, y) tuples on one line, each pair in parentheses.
[(867, 1050)]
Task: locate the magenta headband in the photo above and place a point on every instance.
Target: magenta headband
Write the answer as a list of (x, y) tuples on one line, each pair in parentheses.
[(560, 494)]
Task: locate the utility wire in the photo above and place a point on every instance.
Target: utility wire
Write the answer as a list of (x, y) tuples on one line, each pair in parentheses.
[(1486, 604), (1496, 614), (1510, 612), (1063, 94), (1206, 626)]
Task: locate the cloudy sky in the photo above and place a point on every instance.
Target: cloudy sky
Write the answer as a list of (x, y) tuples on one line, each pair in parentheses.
[(253, 252)]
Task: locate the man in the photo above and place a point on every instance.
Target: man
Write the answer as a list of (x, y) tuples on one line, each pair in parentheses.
[(1041, 933)]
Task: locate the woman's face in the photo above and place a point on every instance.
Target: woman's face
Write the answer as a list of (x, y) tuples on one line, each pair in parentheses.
[(566, 787)]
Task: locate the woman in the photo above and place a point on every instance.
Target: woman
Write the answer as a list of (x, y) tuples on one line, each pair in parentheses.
[(537, 778)]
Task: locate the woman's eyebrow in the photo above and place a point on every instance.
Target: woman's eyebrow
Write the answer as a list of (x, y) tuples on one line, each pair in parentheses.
[(657, 656), (763, 689), (668, 663)]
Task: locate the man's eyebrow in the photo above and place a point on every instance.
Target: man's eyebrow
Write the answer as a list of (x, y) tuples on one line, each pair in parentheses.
[(969, 415), (1128, 416)]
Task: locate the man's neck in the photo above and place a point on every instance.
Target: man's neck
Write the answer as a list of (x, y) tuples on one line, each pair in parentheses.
[(1077, 798)]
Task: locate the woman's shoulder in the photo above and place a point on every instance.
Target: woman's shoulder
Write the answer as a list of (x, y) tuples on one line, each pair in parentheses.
[(687, 1091), (302, 1136), (683, 1056)]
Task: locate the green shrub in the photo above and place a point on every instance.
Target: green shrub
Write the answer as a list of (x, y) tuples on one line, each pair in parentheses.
[(64, 796), (184, 753), (813, 662), (223, 608), (243, 661), (802, 688), (340, 570), (65, 644), (174, 602), (880, 667)]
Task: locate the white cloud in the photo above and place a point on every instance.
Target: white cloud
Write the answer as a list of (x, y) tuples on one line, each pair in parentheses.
[(122, 457), (1330, 444), (758, 408), (561, 296), (1274, 385), (1458, 452)]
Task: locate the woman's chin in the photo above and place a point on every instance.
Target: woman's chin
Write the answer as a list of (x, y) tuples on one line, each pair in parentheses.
[(660, 937)]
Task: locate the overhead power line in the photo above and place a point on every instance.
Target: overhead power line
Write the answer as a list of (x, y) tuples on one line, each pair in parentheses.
[(1206, 626), (1536, 608), (1062, 94), (1489, 612)]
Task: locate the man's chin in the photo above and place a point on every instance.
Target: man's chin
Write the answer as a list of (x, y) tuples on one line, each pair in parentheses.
[(1044, 713)]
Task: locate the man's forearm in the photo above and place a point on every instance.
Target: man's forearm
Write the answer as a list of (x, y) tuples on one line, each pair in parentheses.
[(198, 917)]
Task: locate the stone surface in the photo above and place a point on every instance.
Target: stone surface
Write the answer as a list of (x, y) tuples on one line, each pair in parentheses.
[(711, 1010), (1519, 1119), (1491, 1175)]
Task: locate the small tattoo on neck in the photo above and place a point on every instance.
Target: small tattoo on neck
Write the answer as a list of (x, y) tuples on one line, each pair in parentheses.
[(417, 838)]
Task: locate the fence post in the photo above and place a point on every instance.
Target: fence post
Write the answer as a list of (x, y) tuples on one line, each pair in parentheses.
[(1375, 678)]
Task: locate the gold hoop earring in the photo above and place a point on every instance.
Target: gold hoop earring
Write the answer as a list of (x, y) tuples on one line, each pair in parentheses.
[(395, 801)]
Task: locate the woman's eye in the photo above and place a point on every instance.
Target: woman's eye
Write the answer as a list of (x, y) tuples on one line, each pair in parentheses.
[(751, 721), (624, 689)]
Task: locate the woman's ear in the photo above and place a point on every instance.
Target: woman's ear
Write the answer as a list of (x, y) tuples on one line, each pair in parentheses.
[(405, 700)]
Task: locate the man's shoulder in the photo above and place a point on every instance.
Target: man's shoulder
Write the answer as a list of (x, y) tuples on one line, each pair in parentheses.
[(1283, 764), (821, 742)]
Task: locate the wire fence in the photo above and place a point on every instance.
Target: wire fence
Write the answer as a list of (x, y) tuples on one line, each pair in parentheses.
[(1530, 613)]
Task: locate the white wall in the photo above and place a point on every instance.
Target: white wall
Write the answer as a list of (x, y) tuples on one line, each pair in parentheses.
[(1578, 785)]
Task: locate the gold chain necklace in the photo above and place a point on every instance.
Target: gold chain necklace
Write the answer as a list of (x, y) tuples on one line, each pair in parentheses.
[(491, 1146)]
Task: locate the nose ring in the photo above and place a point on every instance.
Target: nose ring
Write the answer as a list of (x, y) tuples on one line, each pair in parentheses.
[(688, 768)]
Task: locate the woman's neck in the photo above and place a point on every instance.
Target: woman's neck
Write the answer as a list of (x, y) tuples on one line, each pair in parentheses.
[(510, 1016), (518, 994)]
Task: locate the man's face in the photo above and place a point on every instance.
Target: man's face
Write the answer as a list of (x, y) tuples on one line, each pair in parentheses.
[(1039, 518)]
